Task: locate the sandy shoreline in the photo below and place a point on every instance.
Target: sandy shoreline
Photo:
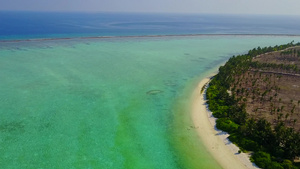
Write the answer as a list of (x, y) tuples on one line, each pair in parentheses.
[(215, 140)]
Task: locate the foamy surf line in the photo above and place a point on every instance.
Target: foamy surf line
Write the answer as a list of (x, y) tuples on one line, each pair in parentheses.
[(140, 36), (216, 141)]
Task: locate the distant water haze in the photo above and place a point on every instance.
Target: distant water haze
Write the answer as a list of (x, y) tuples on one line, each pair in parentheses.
[(27, 25), (266, 7)]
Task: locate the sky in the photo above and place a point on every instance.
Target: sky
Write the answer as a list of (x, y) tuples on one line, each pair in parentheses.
[(267, 7)]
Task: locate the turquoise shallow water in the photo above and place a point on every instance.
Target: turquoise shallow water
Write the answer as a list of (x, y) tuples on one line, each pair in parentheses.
[(108, 103)]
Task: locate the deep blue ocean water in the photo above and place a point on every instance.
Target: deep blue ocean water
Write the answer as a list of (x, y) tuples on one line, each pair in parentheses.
[(27, 25)]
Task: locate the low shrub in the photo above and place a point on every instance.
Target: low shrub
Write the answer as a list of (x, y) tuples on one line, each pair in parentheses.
[(227, 125)]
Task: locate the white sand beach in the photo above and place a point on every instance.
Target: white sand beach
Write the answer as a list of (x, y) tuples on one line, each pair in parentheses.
[(225, 152)]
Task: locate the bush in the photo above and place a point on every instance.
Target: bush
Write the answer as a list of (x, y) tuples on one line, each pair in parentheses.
[(227, 125), (244, 143), (219, 114), (287, 164), (249, 144), (261, 159), (275, 165)]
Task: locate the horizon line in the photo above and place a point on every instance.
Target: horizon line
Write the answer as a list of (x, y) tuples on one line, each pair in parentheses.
[(154, 12)]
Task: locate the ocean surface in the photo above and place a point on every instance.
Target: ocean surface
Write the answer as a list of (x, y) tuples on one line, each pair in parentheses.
[(28, 25), (117, 102)]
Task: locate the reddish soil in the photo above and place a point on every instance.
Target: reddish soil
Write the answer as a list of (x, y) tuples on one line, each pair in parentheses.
[(272, 93)]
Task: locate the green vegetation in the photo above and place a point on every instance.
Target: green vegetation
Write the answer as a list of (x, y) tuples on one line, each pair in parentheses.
[(267, 66), (274, 146)]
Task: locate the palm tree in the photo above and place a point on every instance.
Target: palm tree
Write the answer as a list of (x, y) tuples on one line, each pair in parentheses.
[(282, 107), (279, 117), (286, 116), (293, 110), (298, 105), (295, 120)]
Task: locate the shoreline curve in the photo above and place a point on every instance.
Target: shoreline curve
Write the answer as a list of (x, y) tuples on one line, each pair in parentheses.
[(215, 141)]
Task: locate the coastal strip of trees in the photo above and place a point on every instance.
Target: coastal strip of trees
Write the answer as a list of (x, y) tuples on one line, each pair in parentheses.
[(273, 147)]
